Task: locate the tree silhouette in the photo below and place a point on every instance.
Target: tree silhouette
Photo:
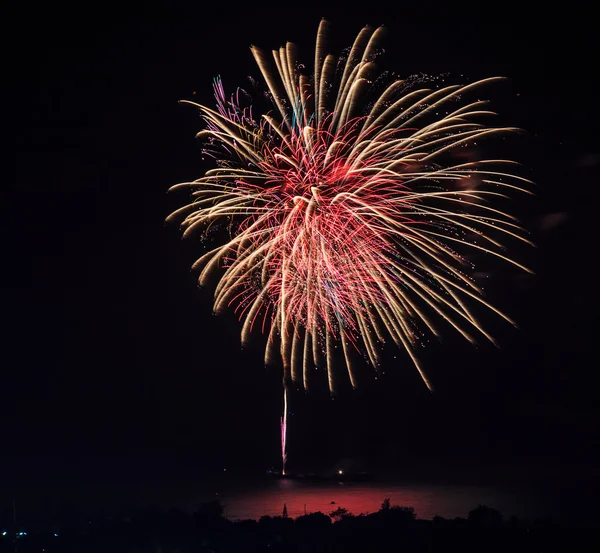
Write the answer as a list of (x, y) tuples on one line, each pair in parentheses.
[(485, 517), (340, 513)]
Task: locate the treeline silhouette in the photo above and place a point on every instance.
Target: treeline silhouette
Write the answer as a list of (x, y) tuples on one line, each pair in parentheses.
[(392, 528)]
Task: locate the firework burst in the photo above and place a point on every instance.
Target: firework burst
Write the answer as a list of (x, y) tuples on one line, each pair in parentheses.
[(349, 219)]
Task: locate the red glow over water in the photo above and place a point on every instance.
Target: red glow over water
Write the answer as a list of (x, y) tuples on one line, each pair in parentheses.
[(428, 501)]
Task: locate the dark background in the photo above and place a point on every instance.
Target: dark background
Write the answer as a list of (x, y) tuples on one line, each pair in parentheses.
[(113, 368)]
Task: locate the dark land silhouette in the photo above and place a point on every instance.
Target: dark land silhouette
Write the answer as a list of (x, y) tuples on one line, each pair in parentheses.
[(392, 528)]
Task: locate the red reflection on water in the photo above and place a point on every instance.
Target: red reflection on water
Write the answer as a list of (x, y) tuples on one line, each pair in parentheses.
[(428, 501)]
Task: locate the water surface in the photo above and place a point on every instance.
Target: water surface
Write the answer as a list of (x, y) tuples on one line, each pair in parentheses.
[(269, 497)]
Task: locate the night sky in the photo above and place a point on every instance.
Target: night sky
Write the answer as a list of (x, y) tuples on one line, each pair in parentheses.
[(113, 365)]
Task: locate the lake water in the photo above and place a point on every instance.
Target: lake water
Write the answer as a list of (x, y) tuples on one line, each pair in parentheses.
[(268, 498), (569, 493)]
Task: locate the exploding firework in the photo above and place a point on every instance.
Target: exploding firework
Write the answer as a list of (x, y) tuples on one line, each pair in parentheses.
[(347, 214)]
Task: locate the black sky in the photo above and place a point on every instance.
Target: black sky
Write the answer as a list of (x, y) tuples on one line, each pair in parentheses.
[(109, 349)]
